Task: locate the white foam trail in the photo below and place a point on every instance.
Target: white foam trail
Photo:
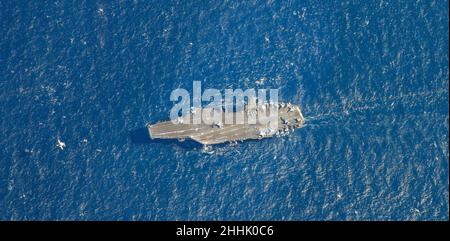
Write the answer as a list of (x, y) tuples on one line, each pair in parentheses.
[(337, 114)]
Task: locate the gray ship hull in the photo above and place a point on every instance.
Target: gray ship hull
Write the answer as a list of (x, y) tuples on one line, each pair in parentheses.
[(289, 117)]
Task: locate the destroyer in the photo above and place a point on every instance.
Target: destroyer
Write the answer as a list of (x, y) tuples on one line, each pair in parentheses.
[(289, 118)]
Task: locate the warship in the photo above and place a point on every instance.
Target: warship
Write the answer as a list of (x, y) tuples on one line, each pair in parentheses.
[(289, 118)]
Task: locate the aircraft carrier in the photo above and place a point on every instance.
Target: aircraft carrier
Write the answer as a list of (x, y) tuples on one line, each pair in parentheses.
[(288, 119)]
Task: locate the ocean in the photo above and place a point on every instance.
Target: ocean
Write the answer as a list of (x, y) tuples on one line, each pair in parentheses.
[(371, 77)]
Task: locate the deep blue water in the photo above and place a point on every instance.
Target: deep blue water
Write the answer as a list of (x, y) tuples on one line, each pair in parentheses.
[(371, 77)]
